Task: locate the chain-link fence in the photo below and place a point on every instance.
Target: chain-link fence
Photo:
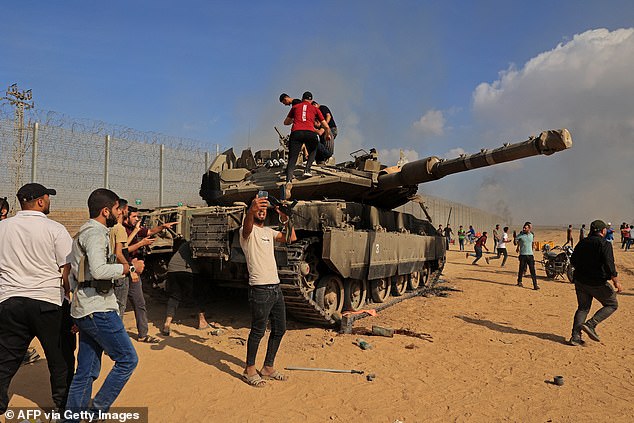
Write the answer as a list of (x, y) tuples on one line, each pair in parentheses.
[(77, 156)]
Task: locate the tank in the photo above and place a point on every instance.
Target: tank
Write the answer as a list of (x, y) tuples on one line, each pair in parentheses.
[(365, 239)]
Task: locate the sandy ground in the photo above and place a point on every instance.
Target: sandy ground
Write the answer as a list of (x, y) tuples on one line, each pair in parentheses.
[(494, 347)]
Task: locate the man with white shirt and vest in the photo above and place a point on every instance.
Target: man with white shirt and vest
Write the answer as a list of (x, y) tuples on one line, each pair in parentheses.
[(34, 263), (265, 295), (95, 310)]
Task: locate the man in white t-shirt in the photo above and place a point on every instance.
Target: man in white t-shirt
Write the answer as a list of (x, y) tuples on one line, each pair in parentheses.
[(265, 295), (34, 266), (501, 247)]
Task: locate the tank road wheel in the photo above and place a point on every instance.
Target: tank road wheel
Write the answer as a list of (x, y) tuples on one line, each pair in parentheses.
[(380, 289), (329, 294), (413, 280), (355, 291), (399, 285), (424, 275), (308, 267)]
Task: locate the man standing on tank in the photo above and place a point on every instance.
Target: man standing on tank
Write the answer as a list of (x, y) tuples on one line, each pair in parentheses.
[(302, 116), (265, 295), (524, 241), (325, 149), (593, 260)]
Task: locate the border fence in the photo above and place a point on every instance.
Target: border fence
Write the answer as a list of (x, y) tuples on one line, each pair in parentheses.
[(75, 157)]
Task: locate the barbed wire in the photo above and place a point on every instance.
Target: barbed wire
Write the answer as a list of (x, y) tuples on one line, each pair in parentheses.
[(70, 157)]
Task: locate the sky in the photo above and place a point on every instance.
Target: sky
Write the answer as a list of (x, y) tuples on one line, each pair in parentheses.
[(428, 78)]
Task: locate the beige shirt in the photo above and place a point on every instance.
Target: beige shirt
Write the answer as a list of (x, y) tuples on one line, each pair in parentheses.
[(259, 250), (118, 234)]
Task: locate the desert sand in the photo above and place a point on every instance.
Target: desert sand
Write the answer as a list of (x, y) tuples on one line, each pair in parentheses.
[(493, 349)]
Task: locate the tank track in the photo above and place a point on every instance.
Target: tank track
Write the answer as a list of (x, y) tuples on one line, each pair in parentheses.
[(299, 302)]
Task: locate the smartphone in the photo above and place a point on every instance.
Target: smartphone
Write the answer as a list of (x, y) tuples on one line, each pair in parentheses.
[(263, 194)]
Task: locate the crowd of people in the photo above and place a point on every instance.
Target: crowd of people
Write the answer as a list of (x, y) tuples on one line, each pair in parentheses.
[(592, 260), (54, 286)]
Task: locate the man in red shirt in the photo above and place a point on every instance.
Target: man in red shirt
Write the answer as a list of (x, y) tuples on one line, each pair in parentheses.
[(481, 242), (302, 116)]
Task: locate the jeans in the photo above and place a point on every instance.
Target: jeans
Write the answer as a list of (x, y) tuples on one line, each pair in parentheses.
[(629, 243), (121, 289), (99, 332), (267, 303), (585, 293), (461, 242), (22, 319), (135, 295), (478, 254), (527, 260)]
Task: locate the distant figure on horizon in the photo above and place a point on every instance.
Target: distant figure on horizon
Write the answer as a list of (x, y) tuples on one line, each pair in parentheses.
[(480, 243), (471, 234), (524, 242), (569, 239), (501, 247), (462, 235), (448, 233), (582, 232)]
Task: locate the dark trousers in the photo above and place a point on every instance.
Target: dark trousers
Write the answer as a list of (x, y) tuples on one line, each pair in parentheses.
[(69, 341), (181, 285), (501, 252), (527, 260), (135, 295), (121, 289), (267, 303), (585, 293), (461, 241), (295, 142), (21, 320), (478, 253)]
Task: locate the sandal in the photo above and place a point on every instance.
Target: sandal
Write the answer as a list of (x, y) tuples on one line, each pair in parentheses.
[(275, 376), (255, 380), (149, 340), (165, 331)]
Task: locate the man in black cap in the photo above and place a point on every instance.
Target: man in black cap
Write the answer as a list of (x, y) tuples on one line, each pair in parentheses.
[(593, 260), (34, 267)]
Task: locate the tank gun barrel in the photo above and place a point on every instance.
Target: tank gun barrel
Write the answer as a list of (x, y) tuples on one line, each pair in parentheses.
[(432, 168)]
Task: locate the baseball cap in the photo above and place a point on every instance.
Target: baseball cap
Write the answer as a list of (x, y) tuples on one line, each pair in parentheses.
[(598, 226), (307, 96), (32, 191)]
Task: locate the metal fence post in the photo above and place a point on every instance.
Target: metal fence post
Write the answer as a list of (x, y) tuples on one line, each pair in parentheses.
[(161, 162), (106, 182), (36, 127)]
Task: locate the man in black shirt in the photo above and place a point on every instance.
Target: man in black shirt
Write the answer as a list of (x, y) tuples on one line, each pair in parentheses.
[(593, 261), (325, 148)]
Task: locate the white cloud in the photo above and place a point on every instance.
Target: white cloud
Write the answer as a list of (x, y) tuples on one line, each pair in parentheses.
[(431, 123), (586, 86)]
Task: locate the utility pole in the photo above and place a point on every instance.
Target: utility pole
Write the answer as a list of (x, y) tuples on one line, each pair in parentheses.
[(21, 100)]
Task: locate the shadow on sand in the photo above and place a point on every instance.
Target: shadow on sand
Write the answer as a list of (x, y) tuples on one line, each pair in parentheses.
[(509, 329)]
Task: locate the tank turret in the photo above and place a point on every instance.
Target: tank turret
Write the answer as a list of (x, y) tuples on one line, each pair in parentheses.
[(364, 180)]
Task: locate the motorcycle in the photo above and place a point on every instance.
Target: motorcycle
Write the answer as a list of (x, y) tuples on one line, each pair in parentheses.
[(556, 262)]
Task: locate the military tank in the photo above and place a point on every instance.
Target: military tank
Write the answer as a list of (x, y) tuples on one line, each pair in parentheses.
[(365, 238)]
